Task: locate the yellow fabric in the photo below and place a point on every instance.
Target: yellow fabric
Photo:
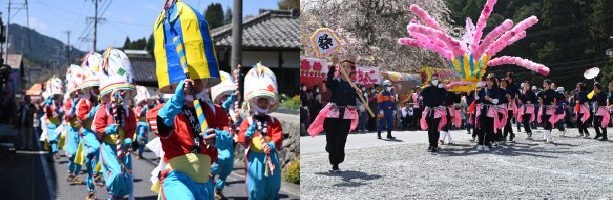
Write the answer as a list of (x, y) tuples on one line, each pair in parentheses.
[(590, 95), (466, 61), (256, 144), (98, 168), (62, 140), (160, 51), (196, 166), (192, 38), (73, 122), (80, 155), (112, 138), (155, 187)]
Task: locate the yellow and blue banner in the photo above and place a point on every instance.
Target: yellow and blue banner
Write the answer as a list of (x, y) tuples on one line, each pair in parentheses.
[(184, 21)]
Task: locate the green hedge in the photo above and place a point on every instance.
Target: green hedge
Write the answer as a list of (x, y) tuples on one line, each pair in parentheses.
[(290, 103), (292, 172)]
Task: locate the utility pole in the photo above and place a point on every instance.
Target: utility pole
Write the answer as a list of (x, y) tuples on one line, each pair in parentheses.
[(96, 19), (68, 47), (8, 23), (237, 34)]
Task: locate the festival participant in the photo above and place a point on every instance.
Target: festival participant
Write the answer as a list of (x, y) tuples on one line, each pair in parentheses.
[(525, 114), (433, 117), (448, 103), (142, 102), (416, 99), (487, 114), (387, 108), (560, 113), (602, 116), (53, 113), (223, 96), (86, 108), (582, 111), (513, 90), (74, 77), (262, 133), (115, 124), (509, 102), (339, 116), (190, 128), (547, 99)]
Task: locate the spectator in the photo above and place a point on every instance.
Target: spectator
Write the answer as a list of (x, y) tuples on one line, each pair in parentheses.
[(315, 103), (372, 104), (363, 115), (26, 122)]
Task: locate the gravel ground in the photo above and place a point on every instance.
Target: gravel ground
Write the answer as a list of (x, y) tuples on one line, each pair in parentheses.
[(572, 168)]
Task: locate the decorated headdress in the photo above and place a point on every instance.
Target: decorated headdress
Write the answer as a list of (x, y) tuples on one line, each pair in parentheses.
[(54, 87), (91, 65), (75, 75), (261, 82), (226, 87), (183, 48), (142, 94), (471, 56), (116, 72)]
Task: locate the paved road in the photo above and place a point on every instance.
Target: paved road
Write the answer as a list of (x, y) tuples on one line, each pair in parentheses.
[(571, 168), (27, 174)]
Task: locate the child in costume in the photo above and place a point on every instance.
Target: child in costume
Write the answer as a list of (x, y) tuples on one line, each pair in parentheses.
[(87, 106), (261, 134), (115, 124), (189, 126), (53, 112), (141, 103), (73, 79), (223, 97)]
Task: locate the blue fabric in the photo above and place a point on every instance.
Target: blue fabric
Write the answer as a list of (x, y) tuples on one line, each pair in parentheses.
[(173, 106), (250, 130), (387, 105), (223, 166), (52, 148), (226, 104), (386, 123), (71, 145), (223, 140), (142, 129), (258, 185), (111, 129), (91, 146), (118, 183), (178, 185)]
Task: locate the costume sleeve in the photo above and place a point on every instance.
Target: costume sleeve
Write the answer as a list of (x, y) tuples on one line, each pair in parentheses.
[(223, 122), (67, 107), (83, 109), (242, 138), (276, 134), (100, 122), (152, 119), (130, 127)]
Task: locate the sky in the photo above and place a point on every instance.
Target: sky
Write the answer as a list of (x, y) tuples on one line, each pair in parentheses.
[(131, 18)]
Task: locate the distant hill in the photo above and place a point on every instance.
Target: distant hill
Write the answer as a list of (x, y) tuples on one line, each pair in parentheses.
[(45, 50)]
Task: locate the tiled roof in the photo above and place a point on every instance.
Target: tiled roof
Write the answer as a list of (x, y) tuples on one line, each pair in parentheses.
[(270, 29), (144, 71)]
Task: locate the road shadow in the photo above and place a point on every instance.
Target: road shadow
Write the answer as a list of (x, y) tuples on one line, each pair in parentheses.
[(391, 140), (511, 149), (349, 175), (152, 197), (279, 196)]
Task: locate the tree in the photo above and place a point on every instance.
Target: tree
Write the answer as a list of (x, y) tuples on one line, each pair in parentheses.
[(228, 16), (214, 15), (288, 4), (150, 43), (126, 44)]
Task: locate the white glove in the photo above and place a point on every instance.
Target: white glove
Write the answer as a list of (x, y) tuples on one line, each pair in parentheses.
[(380, 112), (421, 98), (477, 97), (394, 113), (495, 101)]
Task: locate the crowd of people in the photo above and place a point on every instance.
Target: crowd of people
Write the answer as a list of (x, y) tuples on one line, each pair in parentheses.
[(493, 114)]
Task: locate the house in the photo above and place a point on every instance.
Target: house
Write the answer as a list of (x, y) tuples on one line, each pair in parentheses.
[(273, 38), (16, 79)]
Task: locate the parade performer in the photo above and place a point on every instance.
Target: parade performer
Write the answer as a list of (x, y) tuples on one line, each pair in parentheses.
[(387, 109), (416, 108), (190, 129), (602, 116), (339, 116), (262, 134), (525, 114), (546, 100), (512, 90), (223, 96), (488, 114), (560, 112), (74, 77), (433, 117), (448, 103), (582, 111), (115, 124), (53, 112), (142, 102), (87, 106)]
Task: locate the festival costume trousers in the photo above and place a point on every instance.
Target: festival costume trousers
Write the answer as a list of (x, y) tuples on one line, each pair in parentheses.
[(71, 145)]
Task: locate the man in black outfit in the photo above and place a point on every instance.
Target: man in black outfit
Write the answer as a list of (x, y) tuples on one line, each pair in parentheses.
[(433, 98), (344, 99)]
